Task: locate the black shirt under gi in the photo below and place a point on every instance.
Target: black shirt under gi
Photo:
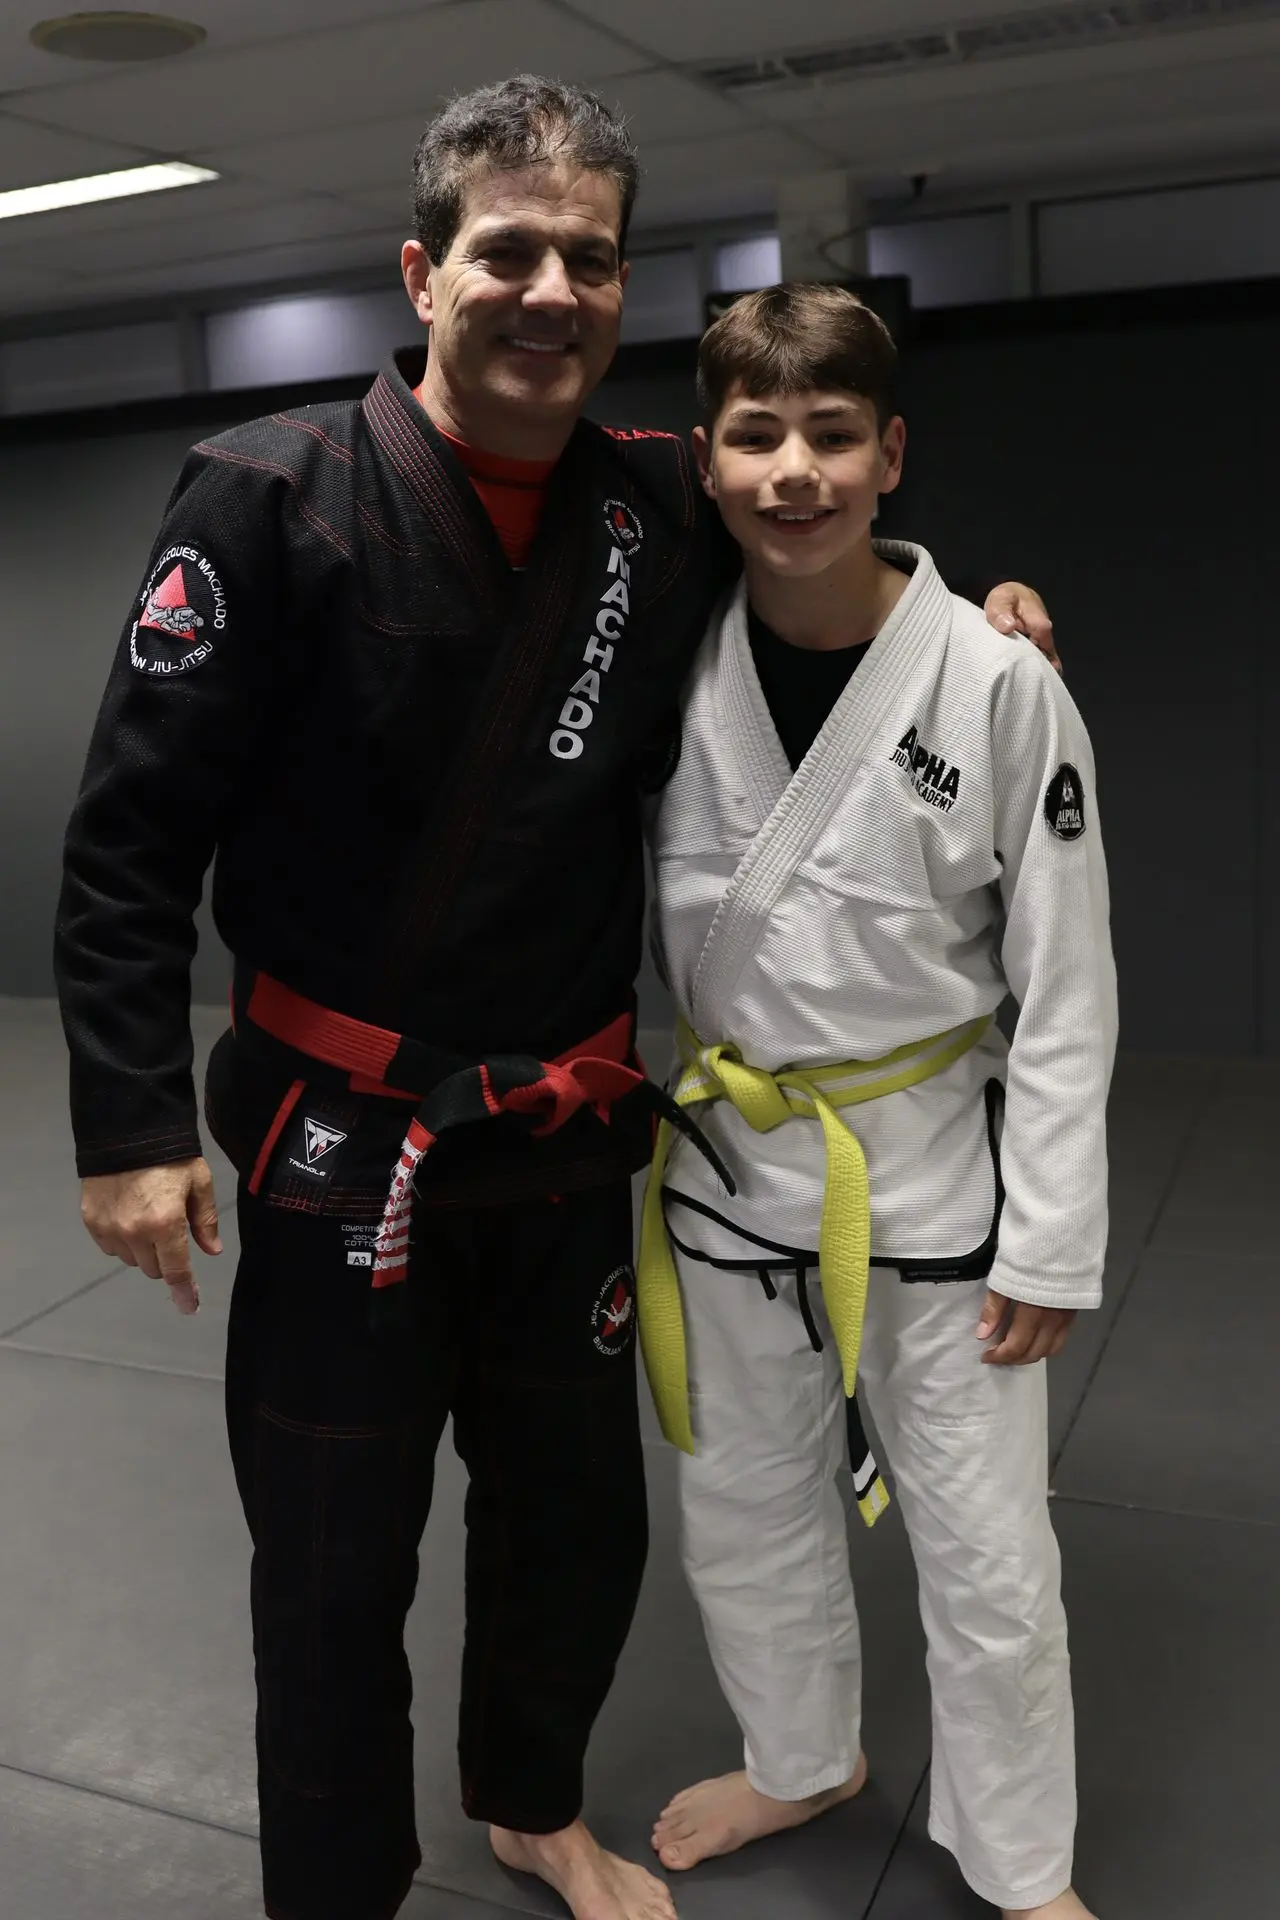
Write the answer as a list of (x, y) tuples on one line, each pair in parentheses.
[(417, 773), (800, 684)]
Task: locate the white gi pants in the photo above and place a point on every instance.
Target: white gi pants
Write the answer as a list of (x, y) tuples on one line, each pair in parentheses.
[(766, 1553)]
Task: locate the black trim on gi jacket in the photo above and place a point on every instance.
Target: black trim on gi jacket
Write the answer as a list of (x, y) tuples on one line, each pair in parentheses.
[(365, 758)]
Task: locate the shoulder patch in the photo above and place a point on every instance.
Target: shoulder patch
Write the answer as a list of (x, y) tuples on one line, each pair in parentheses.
[(1064, 803), (183, 613)]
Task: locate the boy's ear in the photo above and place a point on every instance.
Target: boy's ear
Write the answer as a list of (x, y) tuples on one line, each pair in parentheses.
[(702, 453), (893, 442)]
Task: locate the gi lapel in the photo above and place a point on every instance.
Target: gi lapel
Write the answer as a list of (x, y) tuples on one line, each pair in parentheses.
[(752, 737), (916, 629), (530, 613)]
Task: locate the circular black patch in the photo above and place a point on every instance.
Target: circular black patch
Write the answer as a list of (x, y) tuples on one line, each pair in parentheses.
[(623, 524), (613, 1318), (183, 614), (1064, 803)]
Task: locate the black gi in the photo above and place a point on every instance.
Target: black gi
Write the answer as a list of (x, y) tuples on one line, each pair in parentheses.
[(418, 775)]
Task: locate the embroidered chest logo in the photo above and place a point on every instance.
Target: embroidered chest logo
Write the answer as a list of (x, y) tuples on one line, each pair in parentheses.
[(623, 524), (183, 609), (613, 1316), (931, 777), (579, 710), (1064, 803)]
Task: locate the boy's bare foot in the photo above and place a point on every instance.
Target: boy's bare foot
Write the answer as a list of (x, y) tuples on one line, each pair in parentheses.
[(1067, 1906), (719, 1816), (593, 1884)]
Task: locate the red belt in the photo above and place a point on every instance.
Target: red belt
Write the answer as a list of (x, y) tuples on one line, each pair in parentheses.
[(594, 1073)]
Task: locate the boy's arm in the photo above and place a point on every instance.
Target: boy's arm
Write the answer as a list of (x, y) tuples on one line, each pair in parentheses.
[(1056, 953)]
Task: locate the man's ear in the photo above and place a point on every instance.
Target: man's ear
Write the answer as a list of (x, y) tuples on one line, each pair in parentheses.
[(703, 454), (416, 271)]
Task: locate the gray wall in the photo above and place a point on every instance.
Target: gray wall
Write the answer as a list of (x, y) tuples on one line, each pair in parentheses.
[(1131, 476), (1126, 473)]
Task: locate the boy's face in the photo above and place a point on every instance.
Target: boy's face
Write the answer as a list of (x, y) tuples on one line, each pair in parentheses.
[(797, 476)]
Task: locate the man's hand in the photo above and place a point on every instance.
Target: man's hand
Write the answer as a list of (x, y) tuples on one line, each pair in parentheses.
[(142, 1219), (1013, 607), (1026, 1333)]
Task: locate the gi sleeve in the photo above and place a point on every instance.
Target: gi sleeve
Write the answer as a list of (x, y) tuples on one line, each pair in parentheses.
[(1057, 958), (179, 725)]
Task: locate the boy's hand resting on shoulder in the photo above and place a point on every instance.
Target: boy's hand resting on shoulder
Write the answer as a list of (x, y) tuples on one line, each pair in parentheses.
[(1013, 607), (1026, 1333)]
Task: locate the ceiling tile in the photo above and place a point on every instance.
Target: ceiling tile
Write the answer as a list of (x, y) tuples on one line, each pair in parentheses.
[(1038, 121), (114, 220), (666, 106), (279, 264), (733, 29), (1081, 69), (23, 286), (30, 156), (399, 66), (761, 153), (202, 233), (228, 23), (327, 159), (375, 153)]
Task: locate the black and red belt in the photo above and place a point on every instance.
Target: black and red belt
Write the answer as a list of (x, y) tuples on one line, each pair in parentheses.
[(448, 1090)]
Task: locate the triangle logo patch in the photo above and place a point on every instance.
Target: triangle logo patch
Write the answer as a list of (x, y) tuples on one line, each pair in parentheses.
[(321, 1140), (169, 610)]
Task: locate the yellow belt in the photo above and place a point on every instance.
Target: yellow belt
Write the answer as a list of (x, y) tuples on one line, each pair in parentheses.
[(765, 1100)]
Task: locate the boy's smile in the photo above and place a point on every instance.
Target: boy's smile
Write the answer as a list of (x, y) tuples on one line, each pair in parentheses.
[(797, 476)]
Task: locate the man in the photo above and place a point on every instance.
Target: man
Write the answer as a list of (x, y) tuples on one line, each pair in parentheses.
[(411, 733)]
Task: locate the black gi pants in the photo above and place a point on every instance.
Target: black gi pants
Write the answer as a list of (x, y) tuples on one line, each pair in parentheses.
[(522, 1328)]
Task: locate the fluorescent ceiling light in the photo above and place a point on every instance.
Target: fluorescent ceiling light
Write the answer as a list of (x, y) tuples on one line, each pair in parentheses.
[(101, 186)]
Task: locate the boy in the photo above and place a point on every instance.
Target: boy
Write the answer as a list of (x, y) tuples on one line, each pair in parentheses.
[(882, 820)]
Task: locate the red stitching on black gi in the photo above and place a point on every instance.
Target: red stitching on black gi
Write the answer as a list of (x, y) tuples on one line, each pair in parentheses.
[(379, 532), (681, 554), (273, 1133), (317, 433), (284, 473), (371, 520), (414, 460), (639, 433), (410, 940)]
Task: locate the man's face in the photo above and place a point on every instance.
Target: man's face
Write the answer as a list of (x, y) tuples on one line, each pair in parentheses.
[(797, 476), (526, 306)]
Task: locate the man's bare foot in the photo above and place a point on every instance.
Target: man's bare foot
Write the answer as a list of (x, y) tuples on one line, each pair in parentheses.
[(1067, 1906), (593, 1884), (719, 1816)]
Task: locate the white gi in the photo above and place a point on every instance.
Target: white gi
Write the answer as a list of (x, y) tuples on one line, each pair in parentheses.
[(937, 848)]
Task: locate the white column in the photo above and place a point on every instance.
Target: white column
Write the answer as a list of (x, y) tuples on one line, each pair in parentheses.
[(822, 226)]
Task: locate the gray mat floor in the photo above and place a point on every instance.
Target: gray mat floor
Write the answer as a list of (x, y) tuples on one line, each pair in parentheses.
[(126, 1700)]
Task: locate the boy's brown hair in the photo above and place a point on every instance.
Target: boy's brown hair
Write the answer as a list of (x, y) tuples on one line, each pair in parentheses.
[(797, 338)]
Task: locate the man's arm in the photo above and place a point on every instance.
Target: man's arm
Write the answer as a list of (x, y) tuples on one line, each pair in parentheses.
[(176, 731), (1057, 957)]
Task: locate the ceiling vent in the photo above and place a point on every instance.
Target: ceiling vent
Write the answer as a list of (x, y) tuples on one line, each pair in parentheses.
[(116, 36), (1047, 30)]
